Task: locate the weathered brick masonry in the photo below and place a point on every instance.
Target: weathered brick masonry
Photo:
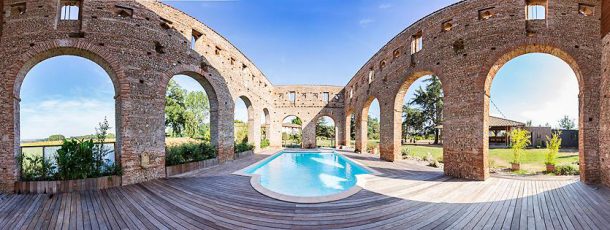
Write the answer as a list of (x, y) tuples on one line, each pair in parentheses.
[(465, 44), (142, 44)]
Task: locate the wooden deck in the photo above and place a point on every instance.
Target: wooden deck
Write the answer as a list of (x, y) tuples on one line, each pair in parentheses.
[(406, 196)]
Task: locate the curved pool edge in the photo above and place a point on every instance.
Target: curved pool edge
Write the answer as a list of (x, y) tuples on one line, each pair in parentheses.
[(360, 184), (256, 185)]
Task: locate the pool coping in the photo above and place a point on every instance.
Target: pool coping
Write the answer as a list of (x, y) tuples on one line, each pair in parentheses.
[(256, 178)]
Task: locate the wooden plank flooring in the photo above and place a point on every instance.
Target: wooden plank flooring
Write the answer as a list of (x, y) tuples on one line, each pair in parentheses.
[(405, 196)]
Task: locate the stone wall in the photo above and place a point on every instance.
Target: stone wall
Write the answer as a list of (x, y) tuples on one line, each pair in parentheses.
[(142, 44), (465, 44), (309, 105)]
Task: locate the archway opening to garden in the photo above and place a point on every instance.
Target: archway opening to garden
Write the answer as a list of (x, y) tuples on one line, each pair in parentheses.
[(370, 127), (326, 132), (292, 132), (244, 127), (533, 116), (67, 102), (422, 103), (187, 122), (265, 128)]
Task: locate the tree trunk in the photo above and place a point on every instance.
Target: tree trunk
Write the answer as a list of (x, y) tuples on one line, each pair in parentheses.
[(436, 136)]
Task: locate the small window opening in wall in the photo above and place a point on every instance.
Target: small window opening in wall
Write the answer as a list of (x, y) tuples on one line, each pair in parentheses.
[(217, 50), (325, 97), (396, 53), (165, 24), (447, 25), (195, 36), (586, 10), (382, 64), (487, 13), (18, 9), (70, 10), (232, 60), (351, 93), (535, 10), (371, 75), (124, 12), (417, 43), (292, 97)]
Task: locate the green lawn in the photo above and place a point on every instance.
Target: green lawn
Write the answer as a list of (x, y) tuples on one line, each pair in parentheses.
[(532, 160)]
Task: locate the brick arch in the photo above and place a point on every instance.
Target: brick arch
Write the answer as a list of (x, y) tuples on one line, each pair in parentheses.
[(253, 121), (335, 120), (361, 122), (499, 59), (18, 71), (203, 78), (588, 155), (43, 51)]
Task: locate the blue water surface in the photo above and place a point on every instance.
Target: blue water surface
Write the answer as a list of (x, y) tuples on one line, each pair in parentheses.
[(307, 174)]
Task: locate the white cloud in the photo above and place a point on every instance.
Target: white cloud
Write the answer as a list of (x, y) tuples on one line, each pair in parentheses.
[(385, 6), (67, 117), (365, 21)]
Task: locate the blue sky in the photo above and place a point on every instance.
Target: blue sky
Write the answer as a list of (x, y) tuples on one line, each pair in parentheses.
[(292, 42)]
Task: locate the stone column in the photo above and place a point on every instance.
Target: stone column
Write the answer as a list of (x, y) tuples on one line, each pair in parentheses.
[(361, 132), (391, 120)]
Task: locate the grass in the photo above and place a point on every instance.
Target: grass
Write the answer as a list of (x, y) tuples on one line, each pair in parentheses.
[(322, 142), (532, 160)]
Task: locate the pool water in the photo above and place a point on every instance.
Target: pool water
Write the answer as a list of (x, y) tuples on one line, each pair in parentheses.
[(307, 174)]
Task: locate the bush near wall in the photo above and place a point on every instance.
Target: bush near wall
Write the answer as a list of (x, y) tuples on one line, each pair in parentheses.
[(242, 147), (264, 143), (188, 152)]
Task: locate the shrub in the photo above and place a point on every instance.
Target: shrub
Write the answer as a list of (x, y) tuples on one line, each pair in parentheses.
[(552, 145), (188, 152), (37, 168), (565, 170), (370, 146), (75, 159), (242, 147), (519, 138), (265, 143), (405, 152)]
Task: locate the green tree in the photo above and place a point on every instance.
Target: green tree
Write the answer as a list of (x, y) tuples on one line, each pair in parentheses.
[(430, 101), (552, 145), (373, 128), (175, 109), (567, 123), (297, 121), (241, 131), (412, 122), (196, 114), (325, 129), (186, 113), (519, 139), (56, 137)]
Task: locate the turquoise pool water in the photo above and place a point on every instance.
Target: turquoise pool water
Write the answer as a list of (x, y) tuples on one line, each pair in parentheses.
[(307, 174)]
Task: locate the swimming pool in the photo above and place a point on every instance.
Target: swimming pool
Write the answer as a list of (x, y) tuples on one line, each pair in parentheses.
[(307, 177)]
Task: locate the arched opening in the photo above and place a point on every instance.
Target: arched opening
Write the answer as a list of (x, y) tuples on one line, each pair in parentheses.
[(534, 97), (67, 102), (265, 128), (187, 122), (370, 127), (245, 131), (421, 118), (326, 132), (292, 132), (350, 130)]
